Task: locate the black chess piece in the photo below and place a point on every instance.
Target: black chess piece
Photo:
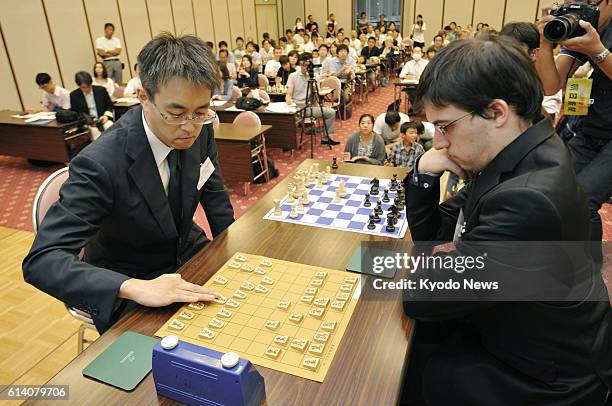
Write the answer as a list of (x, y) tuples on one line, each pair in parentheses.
[(371, 225), (378, 209), (334, 163), (375, 216), (366, 202), (393, 209), (390, 226), (385, 198), (394, 183)]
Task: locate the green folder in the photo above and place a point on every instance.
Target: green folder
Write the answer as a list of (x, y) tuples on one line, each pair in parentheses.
[(354, 264), (125, 362)]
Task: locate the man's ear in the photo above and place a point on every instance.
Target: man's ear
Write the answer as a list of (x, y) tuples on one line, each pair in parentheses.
[(498, 111), (141, 95)]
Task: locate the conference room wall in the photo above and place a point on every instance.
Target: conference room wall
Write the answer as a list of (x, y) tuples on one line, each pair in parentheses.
[(136, 29), (160, 16), (9, 98)]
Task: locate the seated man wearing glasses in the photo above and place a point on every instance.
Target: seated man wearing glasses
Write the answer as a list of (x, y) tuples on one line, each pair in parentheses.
[(131, 196), (537, 330)]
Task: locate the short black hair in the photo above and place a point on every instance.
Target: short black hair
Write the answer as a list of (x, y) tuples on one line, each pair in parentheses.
[(109, 25), (239, 39), (225, 50), (439, 36), (210, 45), (392, 118), (284, 39), (416, 124), (364, 116), (222, 43), (324, 46), (288, 30), (283, 59), (447, 28), (467, 74), (43, 79), (83, 78), (306, 56), (293, 52), (525, 33), (342, 47)]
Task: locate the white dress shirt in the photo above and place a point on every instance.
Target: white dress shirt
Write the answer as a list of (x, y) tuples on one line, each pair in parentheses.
[(106, 44), (91, 104), (59, 98), (413, 68), (160, 153)]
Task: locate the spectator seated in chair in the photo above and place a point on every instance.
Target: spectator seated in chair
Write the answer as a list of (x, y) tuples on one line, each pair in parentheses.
[(407, 149)]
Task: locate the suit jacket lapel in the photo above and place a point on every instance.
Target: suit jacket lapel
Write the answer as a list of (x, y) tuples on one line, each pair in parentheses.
[(144, 169)]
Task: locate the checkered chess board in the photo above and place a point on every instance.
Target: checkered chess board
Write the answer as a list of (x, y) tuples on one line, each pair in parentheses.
[(348, 215)]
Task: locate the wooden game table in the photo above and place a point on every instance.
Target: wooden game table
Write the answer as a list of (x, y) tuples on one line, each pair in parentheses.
[(369, 366)]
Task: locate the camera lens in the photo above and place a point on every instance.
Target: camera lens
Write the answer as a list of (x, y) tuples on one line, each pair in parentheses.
[(561, 28)]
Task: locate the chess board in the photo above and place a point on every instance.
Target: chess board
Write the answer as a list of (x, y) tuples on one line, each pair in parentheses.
[(278, 314), (348, 215)]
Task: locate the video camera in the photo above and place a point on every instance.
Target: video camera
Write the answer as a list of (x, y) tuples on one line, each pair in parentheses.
[(565, 25), (310, 66)]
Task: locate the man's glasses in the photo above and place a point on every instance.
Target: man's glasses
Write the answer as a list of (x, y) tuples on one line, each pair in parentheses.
[(180, 119), (444, 128)]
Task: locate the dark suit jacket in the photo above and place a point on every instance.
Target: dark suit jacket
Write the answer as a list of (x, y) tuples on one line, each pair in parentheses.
[(114, 205), (104, 104), (526, 352)]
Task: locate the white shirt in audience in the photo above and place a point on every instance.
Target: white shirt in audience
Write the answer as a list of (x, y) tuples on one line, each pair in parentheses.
[(91, 104), (59, 98), (355, 43), (308, 47), (132, 85), (108, 45), (109, 85), (272, 68), (413, 68), (381, 128)]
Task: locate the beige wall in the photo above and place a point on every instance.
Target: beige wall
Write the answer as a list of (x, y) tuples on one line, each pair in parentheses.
[(59, 35)]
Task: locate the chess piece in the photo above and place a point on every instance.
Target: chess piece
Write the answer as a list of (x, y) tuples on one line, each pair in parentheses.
[(385, 198), (375, 187), (342, 188), (394, 183), (290, 198), (319, 182), (334, 163), (366, 202), (293, 213), (328, 169), (390, 226), (277, 208), (300, 206), (305, 200), (371, 225), (378, 209), (337, 198), (375, 216)]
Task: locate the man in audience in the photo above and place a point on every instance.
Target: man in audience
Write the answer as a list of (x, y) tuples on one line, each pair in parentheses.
[(224, 55), (371, 50), (296, 92), (355, 42), (414, 67), (591, 148), (289, 35), (343, 66), (93, 101), (387, 125), (133, 84), (517, 343), (54, 96), (131, 196), (311, 25), (438, 43), (323, 54), (298, 39), (239, 51), (528, 37), (273, 65), (285, 69), (108, 48), (230, 56)]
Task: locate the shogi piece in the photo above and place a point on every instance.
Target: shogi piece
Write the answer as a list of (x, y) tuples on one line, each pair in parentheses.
[(187, 315), (283, 305), (295, 317), (176, 325), (207, 334), (299, 344), (328, 326), (281, 340), (246, 285), (316, 348), (338, 305), (317, 312), (273, 352), (311, 363), (272, 324), (196, 306), (216, 323), (321, 337)]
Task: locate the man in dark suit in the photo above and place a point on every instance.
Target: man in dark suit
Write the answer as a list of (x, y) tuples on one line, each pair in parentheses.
[(92, 100), (131, 196), (543, 336)]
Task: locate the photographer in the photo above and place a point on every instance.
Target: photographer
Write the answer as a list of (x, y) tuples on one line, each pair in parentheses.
[(590, 149)]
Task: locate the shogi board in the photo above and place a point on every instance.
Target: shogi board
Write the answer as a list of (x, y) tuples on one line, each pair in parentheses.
[(245, 331), (348, 215)]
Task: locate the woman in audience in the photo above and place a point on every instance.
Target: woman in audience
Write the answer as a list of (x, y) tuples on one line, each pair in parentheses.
[(267, 53), (308, 45), (247, 75), (331, 31), (365, 146), (383, 36), (418, 32), (363, 22), (225, 91), (352, 52), (333, 50), (298, 24), (255, 56), (431, 53), (100, 78), (293, 59)]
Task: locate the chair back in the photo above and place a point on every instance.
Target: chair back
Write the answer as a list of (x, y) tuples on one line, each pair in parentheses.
[(48, 193), (333, 83), (236, 93), (247, 118), (264, 96), (262, 81)]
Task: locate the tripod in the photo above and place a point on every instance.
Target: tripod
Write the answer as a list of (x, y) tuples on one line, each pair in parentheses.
[(312, 93)]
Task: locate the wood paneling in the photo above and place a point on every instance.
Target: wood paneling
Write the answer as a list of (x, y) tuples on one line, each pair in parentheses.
[(100, 13), (250, 22), (160, 16), (234, 9), (520, 11), (135, 27), (343, 12), (221, 18), (318, 9), (266, 19), (432, 15), (71, 39), (28, 46), (293, 9), (9, 98), (490, 12), (183, 17), (205, 26), (459, 11)]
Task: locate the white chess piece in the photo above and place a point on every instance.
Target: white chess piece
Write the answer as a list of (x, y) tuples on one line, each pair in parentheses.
[(277, 208), (293, 213), (305, 200), (337, 198)]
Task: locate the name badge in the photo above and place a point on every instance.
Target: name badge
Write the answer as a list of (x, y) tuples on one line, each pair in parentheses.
[(577, 97), (206, 169)]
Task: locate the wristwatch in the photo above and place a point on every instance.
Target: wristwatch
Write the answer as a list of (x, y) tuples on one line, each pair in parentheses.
[(600, 57)]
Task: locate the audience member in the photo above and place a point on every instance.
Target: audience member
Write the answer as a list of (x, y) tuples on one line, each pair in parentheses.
[(133, 84), (54, 97), (93, 101), (311, 25), (224, 55), (282, 75), (101, 78), (224, 92), (365, 146), (273, 65), (252, 52), (247, 74), (363, 22), (405, 152), (230, 56), (387, 125), (239, 51), (108, 48)]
